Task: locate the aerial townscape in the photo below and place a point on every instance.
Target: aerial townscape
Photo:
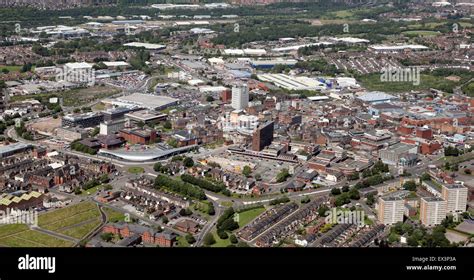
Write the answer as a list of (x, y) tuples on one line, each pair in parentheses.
[(240, 123)]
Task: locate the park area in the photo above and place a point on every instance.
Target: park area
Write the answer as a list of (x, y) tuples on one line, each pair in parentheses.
[(19, 235), (74, 97), (75, 221)]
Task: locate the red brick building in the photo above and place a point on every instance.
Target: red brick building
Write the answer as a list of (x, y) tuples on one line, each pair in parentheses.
[(138, 136), (148, 236)]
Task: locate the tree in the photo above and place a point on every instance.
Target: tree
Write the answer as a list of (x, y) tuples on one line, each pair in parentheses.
[(229, 225), (322, 210), (283, 175), (410, 186), (167, 125), (104, 178), (305, 200), (157, 167), (233, 239), (335, 191), (107, 236), (188, 162), (209, 239), (246, 171), (354, 194), (370, 199), (190, 239), (258, 177), (393, 237), (209, 98), (425, 177), (345, 188), (164, 220), (354, 176), (222, 234)]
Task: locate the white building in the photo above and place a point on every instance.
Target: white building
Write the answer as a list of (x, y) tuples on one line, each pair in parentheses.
[(240, 97), (432, 210), (390, 210), (455, 196), (111, 127)]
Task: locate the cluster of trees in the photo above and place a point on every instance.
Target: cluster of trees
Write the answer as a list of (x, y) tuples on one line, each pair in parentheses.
[(226, 223), (183, 188), (410, 186), (138, 61), (280, 200), (378, 168), (451, 151), (283, 175), (204, 184), (22, 132), (319, 65), (419, 236), (246, 171), (77, 146), (345, 195), (354, 176)]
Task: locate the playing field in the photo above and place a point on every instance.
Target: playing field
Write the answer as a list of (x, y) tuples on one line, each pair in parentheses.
[(75, 221), (18, 235)]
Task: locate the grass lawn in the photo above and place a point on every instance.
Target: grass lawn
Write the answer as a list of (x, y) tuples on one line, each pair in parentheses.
[(73, 220), (82, 230), (114, 216), (373, 82), (74, 97), (6, 230), (11, 68), (422, 32), (182, 242), (91, 190), (18, 235), (136, 170), (220, 242), (42, 238), (247, 216), (64, 213)]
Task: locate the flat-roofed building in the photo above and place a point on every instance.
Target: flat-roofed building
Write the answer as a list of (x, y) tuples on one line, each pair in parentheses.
[(145, 116), (432, 210), (391, 210), (84, 120), (111, 127), (139, 136), (262, 136), (8, 150), (141, 100), (455, 196)]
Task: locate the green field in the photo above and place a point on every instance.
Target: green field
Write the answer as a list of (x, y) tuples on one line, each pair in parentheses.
[(136, 170), (64, 213), (246, 217), (373, 82), (220, 242), (74, 97), (11, 68), (18, 235), (182, 242), (75, 221), (422, 32), (80, 231), (114, 216)]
